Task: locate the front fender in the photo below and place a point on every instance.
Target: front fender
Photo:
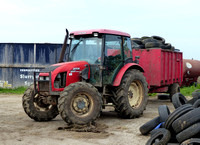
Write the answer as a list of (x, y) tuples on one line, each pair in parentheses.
[(122, 71)]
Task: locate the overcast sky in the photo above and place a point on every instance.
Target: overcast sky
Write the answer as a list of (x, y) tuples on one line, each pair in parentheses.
[(41, 21)]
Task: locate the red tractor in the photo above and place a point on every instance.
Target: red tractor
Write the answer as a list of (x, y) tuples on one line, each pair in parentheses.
[(99, 69)]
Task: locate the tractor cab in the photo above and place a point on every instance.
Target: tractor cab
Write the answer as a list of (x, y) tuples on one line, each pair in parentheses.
[(106, 51)]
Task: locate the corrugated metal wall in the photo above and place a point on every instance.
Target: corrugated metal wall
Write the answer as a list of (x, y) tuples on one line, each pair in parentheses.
[(18, 61)]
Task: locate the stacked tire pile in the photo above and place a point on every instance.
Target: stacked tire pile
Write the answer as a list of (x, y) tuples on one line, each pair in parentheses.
[(146, 42), (182, 126)]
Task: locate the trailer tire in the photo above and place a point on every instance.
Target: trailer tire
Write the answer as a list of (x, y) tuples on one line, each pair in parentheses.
[(164, 112), (144, 41), (149, 126), (186, 120), (192, 131), (173, 89), (167, 46), (158, 38), (137, 41), (34, 107), (178, 100), (80, 103), (132, 94), (160, 136), (145, 37), (152, 45)]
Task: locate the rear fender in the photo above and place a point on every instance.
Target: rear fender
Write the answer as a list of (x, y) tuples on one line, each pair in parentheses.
[(122, 71)]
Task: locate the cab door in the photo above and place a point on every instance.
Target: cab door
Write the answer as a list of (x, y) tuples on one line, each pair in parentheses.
[(118, 52), (113, 59)]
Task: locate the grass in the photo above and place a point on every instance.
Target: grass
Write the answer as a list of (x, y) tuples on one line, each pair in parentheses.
[(18, 90), (187, 91)]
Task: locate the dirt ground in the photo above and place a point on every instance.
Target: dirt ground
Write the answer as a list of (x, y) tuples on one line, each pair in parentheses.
[(16, 128)]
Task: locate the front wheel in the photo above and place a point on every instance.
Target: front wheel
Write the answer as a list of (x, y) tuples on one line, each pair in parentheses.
[(132, 95), (35, 108), (80, 103)]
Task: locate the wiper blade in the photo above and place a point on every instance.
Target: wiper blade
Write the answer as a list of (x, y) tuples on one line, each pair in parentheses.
[(74, 48)]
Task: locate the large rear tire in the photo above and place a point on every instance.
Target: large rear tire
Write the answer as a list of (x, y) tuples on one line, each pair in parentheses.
[(80, 103), (132, 95), (35, 108)]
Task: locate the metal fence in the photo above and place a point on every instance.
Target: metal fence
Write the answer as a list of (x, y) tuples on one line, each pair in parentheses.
[(18, 61)]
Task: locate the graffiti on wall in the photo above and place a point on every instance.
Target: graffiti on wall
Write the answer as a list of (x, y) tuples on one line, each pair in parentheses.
[(26, 75), (5, 84)]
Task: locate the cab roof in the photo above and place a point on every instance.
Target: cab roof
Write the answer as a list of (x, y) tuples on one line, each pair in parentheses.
[(102, 31)]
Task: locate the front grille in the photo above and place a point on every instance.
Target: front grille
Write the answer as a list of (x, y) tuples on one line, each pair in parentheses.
[(43, 86)]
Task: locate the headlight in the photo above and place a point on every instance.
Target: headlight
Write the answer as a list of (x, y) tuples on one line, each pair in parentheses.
[(41, 78), (47, 78)]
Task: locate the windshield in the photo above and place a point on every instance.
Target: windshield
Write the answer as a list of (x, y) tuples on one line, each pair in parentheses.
[(86, 49)]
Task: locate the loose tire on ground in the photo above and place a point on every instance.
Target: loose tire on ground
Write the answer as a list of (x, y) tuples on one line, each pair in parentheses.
[(173, 89), (34, 107), (197, 104), (196, 94), (192, 141), (132, 94), (149, 126), (161, 136), (164, 112), (178, 100), (191, 132), (80, 103), (186, 120), (176, 114)]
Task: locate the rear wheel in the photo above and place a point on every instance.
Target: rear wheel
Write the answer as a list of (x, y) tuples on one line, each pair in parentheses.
[(35, 108), (80, 103), (131, 96)]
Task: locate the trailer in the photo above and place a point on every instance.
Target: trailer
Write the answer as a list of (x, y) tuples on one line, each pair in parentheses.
[(163, 69)]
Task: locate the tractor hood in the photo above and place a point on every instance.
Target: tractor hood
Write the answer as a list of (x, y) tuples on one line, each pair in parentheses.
[(70, 70), (66, 66)]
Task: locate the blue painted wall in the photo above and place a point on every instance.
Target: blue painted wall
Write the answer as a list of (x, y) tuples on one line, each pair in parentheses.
[(18, 61)]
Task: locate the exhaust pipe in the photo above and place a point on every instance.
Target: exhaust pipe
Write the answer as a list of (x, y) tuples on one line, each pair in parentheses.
[(62, 53)]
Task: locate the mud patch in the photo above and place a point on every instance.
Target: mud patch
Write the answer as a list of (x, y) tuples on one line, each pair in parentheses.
[(95, 128), (92, 131)]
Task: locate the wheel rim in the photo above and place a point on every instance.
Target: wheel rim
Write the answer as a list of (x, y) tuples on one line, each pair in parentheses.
[(81, 104), (135, 94), (39, 105)]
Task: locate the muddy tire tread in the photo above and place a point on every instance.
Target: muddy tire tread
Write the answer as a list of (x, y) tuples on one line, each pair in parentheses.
[(122, 104), (32, 112)]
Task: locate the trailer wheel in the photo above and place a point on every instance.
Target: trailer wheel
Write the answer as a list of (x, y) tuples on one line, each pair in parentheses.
[(35, 108), (80, 103), (173, 89), (131, 96)]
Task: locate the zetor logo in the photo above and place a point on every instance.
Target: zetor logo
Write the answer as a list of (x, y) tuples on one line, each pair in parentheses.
[(82, 33), (76, 68)]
